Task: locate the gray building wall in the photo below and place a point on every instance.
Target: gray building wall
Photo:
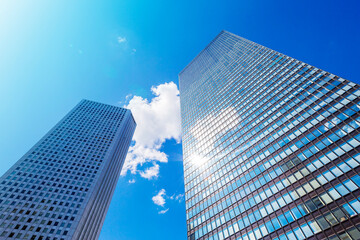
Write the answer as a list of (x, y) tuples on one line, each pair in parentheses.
[(62, 187)]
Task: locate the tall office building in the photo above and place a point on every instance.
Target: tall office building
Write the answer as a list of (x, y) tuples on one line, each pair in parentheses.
[(62, 188), (270, 145)]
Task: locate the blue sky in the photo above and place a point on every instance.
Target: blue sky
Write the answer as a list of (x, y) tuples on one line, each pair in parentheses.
[(55, 53)]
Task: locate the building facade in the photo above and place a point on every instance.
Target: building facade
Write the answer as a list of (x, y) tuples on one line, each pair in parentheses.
[(270, 146), (62, 187)]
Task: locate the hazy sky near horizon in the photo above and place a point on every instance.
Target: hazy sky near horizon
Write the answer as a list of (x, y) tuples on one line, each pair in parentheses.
[(129, 52)]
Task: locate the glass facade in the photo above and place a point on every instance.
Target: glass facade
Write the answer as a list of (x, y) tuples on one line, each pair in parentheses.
[(62, 188), (270, 146)]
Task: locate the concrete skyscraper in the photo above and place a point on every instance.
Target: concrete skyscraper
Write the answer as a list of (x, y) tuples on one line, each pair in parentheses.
[(270, 146), (62, 188)]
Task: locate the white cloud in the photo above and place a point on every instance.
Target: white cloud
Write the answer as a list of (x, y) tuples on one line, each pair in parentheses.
[(127, 97), (151, 172), (157, 120), (132, 181), (163, 211), (178, 197), (159, 199), (121, 39)]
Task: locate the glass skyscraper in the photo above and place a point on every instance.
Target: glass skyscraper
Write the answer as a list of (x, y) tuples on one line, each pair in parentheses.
[(270, 145), (62, 188)]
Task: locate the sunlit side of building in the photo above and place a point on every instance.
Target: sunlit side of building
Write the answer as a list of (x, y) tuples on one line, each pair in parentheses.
[(270, 146)]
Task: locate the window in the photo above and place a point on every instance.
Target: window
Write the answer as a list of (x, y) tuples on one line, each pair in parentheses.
[(339, 215), (322, 223), (354, 233), (330, 218)]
